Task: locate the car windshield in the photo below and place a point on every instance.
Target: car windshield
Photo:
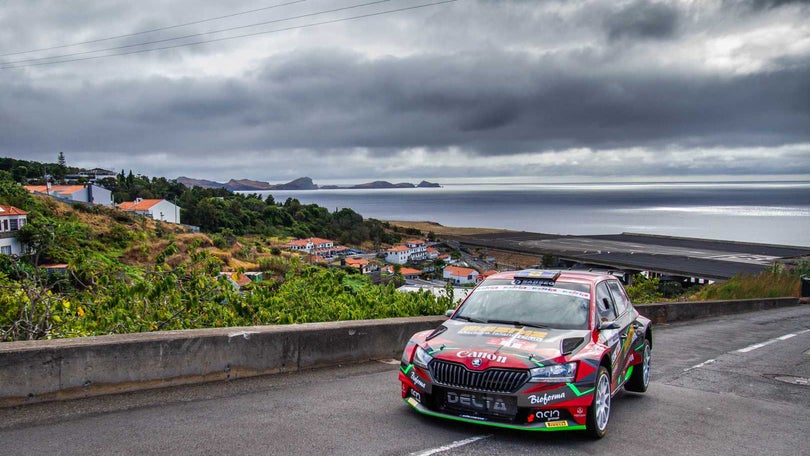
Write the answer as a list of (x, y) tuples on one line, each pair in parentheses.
[(539, 306)]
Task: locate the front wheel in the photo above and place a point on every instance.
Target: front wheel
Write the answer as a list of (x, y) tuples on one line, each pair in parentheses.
[(599, 412), (640, 378)]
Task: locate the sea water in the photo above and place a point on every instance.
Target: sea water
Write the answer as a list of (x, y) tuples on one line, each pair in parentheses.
[(763, 212)]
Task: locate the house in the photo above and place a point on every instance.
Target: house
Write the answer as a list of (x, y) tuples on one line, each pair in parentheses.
[(432, 253), (458, 275), (362, 264), (309, 244), (11, 220), (407, 273), (411, 251), (157, 209), (240, 279), (80, 193)]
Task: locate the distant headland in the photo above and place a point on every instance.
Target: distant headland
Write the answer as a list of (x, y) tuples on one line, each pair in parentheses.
[(302, 183)]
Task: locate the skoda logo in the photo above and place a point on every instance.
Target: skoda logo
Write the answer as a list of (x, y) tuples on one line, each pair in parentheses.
[(476, 362)]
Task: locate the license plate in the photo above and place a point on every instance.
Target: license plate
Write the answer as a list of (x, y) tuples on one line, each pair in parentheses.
[(482, 403)]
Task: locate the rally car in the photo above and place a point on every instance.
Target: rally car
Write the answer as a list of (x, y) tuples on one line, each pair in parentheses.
[(536, 350)]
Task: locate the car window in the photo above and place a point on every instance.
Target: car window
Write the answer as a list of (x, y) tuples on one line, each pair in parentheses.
[(530, 305), (619, 297), (604, 303)]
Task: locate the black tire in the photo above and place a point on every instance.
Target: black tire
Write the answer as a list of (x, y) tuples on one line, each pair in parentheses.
[(599, 411), (640, 378)]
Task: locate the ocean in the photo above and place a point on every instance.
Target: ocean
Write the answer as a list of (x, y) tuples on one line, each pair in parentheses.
[(762, 212)]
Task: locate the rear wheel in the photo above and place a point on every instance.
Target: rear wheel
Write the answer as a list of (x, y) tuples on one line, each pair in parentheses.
[(599, 412), (640, 378)]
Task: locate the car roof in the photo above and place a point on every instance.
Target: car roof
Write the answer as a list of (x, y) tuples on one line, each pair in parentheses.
[(575, 276)]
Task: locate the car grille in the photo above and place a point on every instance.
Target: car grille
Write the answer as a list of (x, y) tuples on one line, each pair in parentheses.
[(490, 380)]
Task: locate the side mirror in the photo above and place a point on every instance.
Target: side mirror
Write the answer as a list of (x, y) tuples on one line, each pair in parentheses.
[(609, 325), (449, 313)]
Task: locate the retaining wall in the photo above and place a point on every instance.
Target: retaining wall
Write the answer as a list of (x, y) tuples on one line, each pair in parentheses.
[(37, 371)]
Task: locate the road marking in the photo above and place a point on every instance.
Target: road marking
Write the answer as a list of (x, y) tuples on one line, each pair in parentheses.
[(768, 342), (450, 446), (749, 348), (696, 366)]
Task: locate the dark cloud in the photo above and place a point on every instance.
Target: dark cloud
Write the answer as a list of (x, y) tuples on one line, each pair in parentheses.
[(328, 99), (642, 19), (482, 79), (768, 4)]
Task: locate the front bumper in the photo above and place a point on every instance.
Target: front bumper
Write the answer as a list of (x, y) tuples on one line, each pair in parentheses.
[(536, 407)]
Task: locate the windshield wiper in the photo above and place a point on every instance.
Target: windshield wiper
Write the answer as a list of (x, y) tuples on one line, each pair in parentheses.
[(517, 323), (470, 319)]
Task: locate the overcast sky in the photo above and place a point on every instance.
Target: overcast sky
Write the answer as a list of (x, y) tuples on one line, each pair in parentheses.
[(472, 89)]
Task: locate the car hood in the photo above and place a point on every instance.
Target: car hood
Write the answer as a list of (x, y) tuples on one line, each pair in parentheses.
[(480, 346)]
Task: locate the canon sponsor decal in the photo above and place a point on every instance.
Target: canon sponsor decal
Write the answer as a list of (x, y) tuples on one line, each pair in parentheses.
[(482, 355)]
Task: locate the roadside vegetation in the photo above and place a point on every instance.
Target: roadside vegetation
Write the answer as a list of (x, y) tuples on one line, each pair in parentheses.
[(124, 273)]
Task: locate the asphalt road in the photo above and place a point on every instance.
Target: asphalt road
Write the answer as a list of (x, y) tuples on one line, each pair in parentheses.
[(717, 389)]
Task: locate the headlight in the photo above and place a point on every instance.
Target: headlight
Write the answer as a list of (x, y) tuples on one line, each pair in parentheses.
[(557, 373), (421, 357)]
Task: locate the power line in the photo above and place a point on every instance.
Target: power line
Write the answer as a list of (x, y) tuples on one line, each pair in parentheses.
[(241, 13), (314, 24), (193, 35)]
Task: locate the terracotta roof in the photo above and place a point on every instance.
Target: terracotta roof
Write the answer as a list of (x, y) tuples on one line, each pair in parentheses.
[(11, 210), (409, 271), (238, 278), (460, 272), (61, 189), (432, 249), (398, 248), (488, 273), (304, 242), (415, 241), (356, 261), (142, 205)]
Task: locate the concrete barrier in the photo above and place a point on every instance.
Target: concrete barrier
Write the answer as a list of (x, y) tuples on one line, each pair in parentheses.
[(679, 311), (38, 371)]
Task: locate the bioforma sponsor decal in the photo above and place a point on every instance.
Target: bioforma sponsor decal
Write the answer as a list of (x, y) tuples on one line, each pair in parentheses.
[(418, 380), (482, 355), (545, 399)]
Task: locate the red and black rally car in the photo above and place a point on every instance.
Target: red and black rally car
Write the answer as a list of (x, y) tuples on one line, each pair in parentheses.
[(535, 350)]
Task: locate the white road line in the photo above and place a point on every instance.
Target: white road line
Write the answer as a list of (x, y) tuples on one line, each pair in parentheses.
[(450, 446), (750, 348), (768, 342), (696, 366)]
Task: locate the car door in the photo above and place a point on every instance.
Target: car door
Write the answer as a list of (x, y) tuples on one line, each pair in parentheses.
[(614, 329), (627, 333)]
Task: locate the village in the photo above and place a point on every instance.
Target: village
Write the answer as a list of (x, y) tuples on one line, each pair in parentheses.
[(415, 264)]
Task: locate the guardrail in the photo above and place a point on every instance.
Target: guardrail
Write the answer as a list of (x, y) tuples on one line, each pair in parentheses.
[(37, 371)]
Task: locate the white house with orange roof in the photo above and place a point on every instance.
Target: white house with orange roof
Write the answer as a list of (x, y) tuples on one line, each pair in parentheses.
[(310, 245), (11, 220), (157, 209), (80, 193), (459, 275), (363, 265), (411, 250)]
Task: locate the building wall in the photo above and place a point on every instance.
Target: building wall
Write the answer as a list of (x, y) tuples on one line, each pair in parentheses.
[(101, 196), (165, 211), (9, 245)]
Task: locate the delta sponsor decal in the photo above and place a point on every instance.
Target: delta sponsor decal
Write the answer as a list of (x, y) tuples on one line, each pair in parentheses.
[(503, 331)]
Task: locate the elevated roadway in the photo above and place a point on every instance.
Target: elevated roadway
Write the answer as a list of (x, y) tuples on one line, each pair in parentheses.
[(677, 256)]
